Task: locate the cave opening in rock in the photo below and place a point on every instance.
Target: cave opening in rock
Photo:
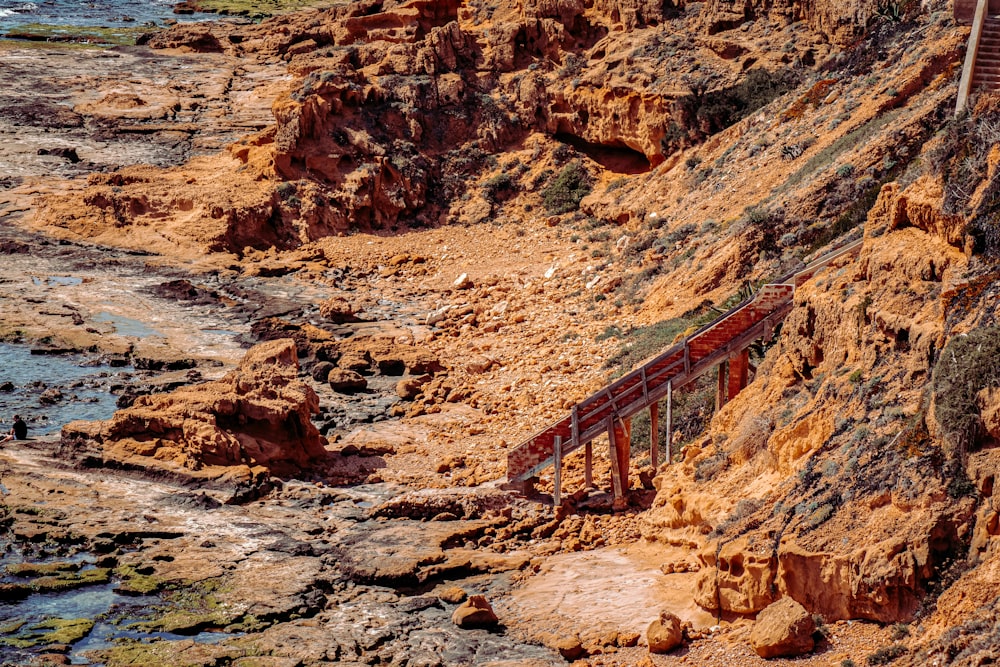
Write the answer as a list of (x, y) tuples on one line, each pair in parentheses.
[(619, 159)]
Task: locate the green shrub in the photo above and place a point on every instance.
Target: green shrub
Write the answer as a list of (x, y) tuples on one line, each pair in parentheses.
[(884, 656), (285, 190), (567, 190), (499, 188), (968, 364)]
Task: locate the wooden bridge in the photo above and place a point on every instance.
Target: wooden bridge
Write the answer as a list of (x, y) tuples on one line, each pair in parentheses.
[(723, 343)]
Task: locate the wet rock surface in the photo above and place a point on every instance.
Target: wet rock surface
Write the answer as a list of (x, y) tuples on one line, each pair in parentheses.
[(74, 111), (280, 577)]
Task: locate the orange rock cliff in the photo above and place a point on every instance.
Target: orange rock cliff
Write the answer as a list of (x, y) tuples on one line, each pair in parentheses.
[(678, 153)]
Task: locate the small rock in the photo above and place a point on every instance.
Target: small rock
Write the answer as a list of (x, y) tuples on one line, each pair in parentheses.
[(346, 382), (475, 612), (450, 463), (664, 634), (321, 371), (409, 388), (463, 282), (7, 386), (783, 628), (359, 362), (478, 364), (50, 396), (452, 595), (63, 152), (570, 648), (338, 310)]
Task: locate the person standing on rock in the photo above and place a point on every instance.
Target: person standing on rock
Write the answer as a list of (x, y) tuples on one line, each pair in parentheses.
[(18, 430)]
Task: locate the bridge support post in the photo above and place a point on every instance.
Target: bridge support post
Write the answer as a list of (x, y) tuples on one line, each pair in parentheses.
[(654, 435), (721, 392), (620, 436), (616, 480), (557, 475), (624, 451), (670, 422), (739, 367)]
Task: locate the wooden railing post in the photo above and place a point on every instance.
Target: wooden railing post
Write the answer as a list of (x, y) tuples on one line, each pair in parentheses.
[(557, 477), (670, 422), (654, 435)]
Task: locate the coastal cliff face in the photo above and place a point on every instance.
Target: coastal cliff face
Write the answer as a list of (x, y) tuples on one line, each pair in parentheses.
[(664, 156)]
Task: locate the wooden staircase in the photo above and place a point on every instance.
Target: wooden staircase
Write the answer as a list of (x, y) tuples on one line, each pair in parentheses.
[(986, 74), (981, 70), (721, 343)]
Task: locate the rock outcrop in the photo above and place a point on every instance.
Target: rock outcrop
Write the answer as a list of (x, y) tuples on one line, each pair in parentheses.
[(254, 421), (885, 316)]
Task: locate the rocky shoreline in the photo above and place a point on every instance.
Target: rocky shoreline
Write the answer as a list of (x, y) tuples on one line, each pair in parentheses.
[(345, 258)]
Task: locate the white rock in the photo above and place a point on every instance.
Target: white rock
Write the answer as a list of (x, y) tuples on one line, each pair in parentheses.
[(593, 281), (436, 316), (463, 281), (551, 272)]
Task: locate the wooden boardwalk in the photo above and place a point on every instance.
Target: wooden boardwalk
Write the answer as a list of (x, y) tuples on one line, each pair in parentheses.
[(723, 343)]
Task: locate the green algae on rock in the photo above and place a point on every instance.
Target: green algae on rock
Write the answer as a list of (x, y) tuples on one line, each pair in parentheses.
[(134, 583), (41, 569), (52, 631), (69, 581), (93, 36)]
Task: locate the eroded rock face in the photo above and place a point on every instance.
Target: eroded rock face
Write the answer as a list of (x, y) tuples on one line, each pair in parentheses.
[(256, 418), (867, 329), (839, 22)]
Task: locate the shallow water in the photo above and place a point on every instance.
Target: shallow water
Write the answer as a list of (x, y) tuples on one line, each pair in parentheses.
[(126, 326), (15, 14), (85, 388)]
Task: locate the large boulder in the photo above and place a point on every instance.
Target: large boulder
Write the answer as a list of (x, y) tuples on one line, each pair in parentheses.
[(664, 634), (783, 628), (256, 417)]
